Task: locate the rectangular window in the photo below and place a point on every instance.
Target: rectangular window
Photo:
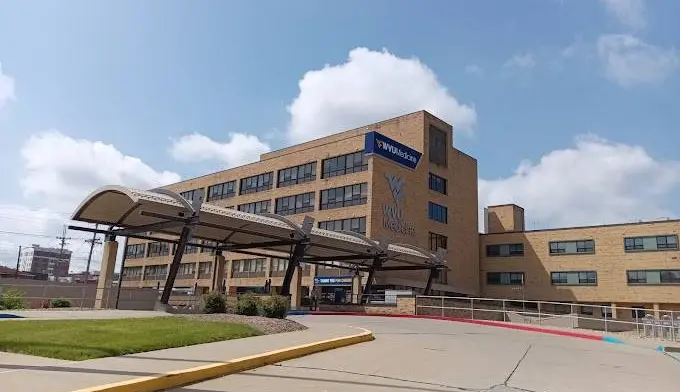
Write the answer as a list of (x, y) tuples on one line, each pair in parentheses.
[(296, 204), (574, 278), (505, 250), (190, 195), (297, 174), (190, 249), (204, 268), (344, 196), (437, 146), (662, 242), (132, 272), (437, 212), (207, 249), (257, 183), (505, 278), (653, 276), (158, 249), (572, 247), (256, 207), (155, 272), (437, 184), (357, 225), (187, 269), (344, 164), (135, 251), (438, 241), (222, 191), (248, 268)]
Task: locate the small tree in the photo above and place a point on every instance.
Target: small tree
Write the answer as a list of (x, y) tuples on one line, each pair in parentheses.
[(12, 299), (275, 306), (248, 305), (215, 303)]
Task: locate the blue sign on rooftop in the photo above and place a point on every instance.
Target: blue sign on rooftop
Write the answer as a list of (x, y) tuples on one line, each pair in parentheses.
[(376, 143)]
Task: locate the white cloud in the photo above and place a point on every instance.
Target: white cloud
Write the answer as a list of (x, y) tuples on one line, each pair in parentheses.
[(596, 182), (628, 60), (474, 69), (61, 171), (370, 86), (239, 150), (6, 88), (628, 12), (525, 61), (58, 173)]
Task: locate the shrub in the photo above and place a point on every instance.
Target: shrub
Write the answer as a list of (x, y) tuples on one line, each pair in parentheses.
[(248, 305), (275, 306), (215, 303), (12, 299), (61, 303)]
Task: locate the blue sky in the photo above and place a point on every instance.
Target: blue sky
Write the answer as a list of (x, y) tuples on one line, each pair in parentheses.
[(138, 75)]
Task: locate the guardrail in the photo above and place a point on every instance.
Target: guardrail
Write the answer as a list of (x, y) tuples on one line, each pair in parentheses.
[(647, 323)]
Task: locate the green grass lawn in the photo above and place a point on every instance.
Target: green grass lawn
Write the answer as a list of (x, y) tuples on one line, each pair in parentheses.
[(86, 339)]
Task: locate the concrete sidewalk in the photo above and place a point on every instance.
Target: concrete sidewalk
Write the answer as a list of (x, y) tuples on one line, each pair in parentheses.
[(20, 373)]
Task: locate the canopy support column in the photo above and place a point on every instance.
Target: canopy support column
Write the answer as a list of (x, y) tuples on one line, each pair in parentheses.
[(174, 267), (434, 274), (368, 288)]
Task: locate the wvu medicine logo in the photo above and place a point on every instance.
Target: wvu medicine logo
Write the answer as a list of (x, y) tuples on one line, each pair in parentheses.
[(393, 214), (396, 184)]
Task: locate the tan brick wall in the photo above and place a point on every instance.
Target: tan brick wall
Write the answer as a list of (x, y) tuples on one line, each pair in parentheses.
[(410, 130), (609, 260), (405, 305), (505, 218)]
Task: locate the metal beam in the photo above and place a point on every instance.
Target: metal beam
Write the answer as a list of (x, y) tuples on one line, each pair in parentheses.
[(174, 267), (351, 268), (254, 245), (138, 236), (150, 227), (434, 274), (336, 258), (293, 262), (377, 263), (411, 268)]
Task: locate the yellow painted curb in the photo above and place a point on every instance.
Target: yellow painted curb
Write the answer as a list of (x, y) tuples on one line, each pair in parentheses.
[(179, 378)]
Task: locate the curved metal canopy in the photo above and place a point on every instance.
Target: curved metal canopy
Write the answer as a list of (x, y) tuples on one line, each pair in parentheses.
[(134, 212)]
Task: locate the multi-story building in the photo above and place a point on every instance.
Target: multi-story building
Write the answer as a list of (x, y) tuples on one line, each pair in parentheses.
[(401, 181), (631, 265), (53, 262)]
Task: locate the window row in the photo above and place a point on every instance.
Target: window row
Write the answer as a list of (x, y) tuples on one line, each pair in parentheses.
[(588, 278), (344, 196), (357, 225), (296, 204), (631, 244), (331, 167), (160, 271)]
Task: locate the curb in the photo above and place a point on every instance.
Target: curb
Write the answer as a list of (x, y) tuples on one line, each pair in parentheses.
[(488, 323), (179, 378)]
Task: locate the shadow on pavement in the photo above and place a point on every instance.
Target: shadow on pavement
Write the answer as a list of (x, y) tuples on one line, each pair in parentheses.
[(51, 368)]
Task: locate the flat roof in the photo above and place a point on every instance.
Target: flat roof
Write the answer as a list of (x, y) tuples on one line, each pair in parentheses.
[(140, 214)]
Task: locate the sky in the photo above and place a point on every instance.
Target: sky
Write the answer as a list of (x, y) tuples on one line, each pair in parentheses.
[(570, 106)]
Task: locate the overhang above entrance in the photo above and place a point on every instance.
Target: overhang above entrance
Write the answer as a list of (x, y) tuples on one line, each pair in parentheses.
[(162, 215)]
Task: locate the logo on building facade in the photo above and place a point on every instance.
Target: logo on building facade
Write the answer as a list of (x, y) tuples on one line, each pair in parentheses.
[(393, 213), (376, 143)]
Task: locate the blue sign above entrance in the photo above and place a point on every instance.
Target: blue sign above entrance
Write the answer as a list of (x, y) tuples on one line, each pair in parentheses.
[(332, 281), (376, 143)]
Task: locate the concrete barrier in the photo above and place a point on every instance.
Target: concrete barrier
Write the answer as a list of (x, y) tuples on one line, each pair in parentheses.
[(180, 378)]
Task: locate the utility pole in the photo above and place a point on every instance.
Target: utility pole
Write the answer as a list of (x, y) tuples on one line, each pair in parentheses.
[(62, 240), (94, 241), (16, 273)]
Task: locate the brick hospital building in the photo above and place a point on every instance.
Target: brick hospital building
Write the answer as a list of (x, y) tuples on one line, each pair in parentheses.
[(402, 181)]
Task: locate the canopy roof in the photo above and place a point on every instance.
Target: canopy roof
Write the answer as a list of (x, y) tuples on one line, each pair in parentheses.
[(143, 214)]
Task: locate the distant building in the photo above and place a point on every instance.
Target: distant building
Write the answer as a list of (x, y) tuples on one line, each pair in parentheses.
[(53, 262), (11, 273)]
